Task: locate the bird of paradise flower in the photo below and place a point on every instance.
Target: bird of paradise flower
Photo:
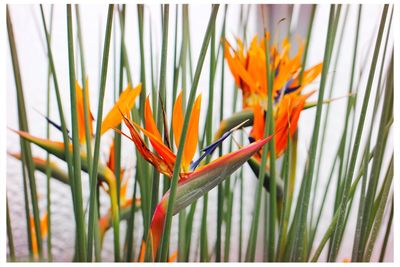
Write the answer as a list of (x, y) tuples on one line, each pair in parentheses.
[(249, 69), (111, 120), (193, 182)]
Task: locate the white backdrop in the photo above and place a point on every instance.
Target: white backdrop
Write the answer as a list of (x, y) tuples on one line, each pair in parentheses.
[(33, 62)]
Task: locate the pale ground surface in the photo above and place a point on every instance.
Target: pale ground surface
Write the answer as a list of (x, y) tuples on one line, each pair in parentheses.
[(30, 44)]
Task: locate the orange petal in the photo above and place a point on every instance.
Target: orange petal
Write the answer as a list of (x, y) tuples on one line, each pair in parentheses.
[(111, 158), (141, 146), (238, 70), (43, 225), (257, 132), (287, 117), (123, 189), (142, 251), (123, 105), (81, 114), (149, 121), (173, 256), (159, 146), (177, 119), (309, 75), (192, 135)]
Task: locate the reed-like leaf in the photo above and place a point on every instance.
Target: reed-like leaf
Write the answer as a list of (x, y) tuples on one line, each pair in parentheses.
[(80, 222), (304, 198), (93, 184), (48, 174), (10, 238), (167, 224), (349, 176), (25, 146)]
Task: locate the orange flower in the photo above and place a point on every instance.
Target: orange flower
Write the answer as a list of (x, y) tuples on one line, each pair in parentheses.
[(193, 183), (43, 233), (286, 117), (164, 159), (113, 118), (249, 71)]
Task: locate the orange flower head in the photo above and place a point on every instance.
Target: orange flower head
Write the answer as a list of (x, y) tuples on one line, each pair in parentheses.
[(249, 70), (163, 159), (113, 117), (286, 117)]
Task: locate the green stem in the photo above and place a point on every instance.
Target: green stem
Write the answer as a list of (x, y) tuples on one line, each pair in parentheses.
[(10, 238), (300, 228), (48, 171), (93, 182), (23, 125), (177, 166), (80, 223), (350, 173)]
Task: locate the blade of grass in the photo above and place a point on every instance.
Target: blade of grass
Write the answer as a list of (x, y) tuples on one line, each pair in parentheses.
[(87, 134), (176, 65), (300, 228), (285, 203), (131, 226), (380, 212), (328, 108), (357, 250), (349, 176), (93, 182), (117, 137), (204, 254), (387, 233), (270, 117), (203, 51), (209, 132), (228, 215), (27, 209), (184, 50), (189, 227), (374, 174), (182, 66), (10, 239), (48, 171), (162, 95), (80, 223), (182, 236), (61, 114), (140, 12), (23, 125), (251, 247), (371, 207), (334, 221), (228, 228)]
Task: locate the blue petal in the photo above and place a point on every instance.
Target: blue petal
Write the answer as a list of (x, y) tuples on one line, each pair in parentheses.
[(286, 89), (54, 124), (208, 150)]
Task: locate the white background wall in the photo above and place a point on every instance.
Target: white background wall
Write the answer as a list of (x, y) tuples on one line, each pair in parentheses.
[(31, 51)]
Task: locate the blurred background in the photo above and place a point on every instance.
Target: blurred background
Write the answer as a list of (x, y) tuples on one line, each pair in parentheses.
[(34, 67)]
